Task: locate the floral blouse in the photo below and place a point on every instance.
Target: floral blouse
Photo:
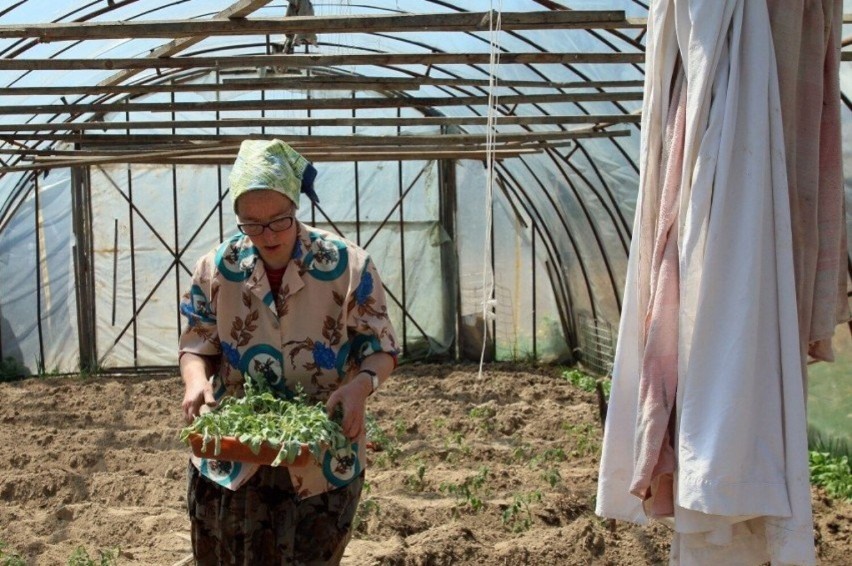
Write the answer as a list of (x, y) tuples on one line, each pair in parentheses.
[(329, 314)]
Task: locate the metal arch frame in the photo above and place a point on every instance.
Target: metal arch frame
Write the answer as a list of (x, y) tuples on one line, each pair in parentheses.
[(561, 287)]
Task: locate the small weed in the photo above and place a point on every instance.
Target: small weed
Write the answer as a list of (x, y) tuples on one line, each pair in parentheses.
[(400, 428), (832, 473), (415, 481), (10, 557), (551, 476), (389, 456), (517, 516), (388, 447), (552, 455), (80, 557), (366, 509), (482, 412), (585, 438), (440, 423), (522, 453), (467, 493), (455, 445), (484, 416), (586, 382)]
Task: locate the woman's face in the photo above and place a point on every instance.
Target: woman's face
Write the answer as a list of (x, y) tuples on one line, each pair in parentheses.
[(261, 207)]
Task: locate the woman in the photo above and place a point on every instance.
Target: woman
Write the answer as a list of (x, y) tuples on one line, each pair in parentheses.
[(287, 306)]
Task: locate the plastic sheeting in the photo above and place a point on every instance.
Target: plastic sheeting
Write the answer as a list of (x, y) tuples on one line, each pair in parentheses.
[(38, 270), (576, 202)]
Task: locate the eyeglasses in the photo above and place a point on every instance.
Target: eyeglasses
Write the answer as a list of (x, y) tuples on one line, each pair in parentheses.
[(256, 229)]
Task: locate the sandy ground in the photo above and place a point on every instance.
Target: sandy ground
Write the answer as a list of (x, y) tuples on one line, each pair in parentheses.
[(497, 470)]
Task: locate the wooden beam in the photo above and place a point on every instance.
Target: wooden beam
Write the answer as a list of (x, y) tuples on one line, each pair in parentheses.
[(316, 157), (239, 9), (319, 103), (324, 122), (353, 23), (301, 61), (317, 140), (307, 83), (394, 83)]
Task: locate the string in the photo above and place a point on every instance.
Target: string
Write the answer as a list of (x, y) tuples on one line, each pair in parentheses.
[(489, 303)]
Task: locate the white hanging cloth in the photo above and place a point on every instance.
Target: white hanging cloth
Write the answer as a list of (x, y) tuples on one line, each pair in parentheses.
[(738, 492)]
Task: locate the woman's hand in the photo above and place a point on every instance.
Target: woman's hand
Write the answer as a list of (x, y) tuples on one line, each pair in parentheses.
[(352, 398), (198, 390)]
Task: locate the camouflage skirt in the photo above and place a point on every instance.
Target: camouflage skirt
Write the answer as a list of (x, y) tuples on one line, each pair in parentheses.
[(263, 522)]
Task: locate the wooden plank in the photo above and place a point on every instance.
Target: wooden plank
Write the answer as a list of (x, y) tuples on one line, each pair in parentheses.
[(239, 9), (394, 83), (302, 61), (315, 157), (307, 83), (320, 103), (353, 23), (315, 140), (324, 122)]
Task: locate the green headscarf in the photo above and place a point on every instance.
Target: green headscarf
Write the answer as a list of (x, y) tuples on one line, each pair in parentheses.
[(274, 165)]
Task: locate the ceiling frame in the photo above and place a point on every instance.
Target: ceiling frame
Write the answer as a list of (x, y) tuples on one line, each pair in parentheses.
[(338, 82), (500, 120), (319, 103), (303, 61), (407, 23)]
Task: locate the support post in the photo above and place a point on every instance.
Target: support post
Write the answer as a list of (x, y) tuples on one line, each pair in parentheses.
[(84, 272)]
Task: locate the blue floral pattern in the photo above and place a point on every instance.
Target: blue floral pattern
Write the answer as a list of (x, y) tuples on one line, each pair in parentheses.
[(231, 354), (324, 356), (365, 288)]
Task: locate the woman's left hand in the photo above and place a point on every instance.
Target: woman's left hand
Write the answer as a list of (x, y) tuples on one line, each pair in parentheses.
[(352, 398)]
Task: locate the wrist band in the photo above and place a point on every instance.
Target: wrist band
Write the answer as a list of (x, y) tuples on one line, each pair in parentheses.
[(374, 379)]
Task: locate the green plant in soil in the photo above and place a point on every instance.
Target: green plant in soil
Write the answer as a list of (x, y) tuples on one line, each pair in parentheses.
[(400, 428), (584, 438), (9, 557), (416, 481), (483, 415), (832, 473), (259, 416), (388, 448), (81, 557), (551, 476), (517, 516), (367, 507), (468, 493), (586, 382)]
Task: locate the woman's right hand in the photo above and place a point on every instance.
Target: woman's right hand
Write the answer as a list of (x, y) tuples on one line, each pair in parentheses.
[(198, 390)]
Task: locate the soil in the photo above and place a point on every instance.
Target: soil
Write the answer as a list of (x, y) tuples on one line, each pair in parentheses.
[(500, 469)]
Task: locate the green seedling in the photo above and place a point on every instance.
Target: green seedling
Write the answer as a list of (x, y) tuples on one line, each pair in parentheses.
[(415, 481), (80, 557), (9, 557), (517, 517), (467, 493), (832, 473), (551, 476), (584, 437)]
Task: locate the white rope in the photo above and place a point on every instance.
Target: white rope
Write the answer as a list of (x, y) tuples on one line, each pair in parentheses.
[(489, 304)]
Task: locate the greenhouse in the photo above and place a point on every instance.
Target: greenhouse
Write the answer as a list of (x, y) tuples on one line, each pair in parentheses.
[(491, 159)]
